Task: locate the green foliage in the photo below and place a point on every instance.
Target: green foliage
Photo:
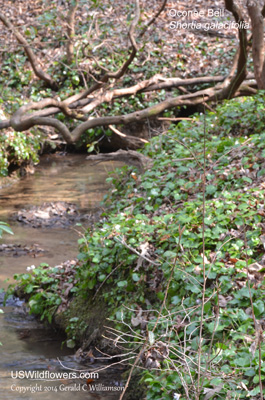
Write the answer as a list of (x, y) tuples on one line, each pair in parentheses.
[(4, 227), (40, 289), (162, 211), (74, 327), (13, 67), (17, 147)]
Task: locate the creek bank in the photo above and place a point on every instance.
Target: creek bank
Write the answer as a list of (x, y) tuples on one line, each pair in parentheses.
[(44, 342), (18, 250), (60, 214), (84, 319), (92, 314)]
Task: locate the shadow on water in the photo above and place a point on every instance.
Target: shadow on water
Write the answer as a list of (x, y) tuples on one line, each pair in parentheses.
[(27, 346)]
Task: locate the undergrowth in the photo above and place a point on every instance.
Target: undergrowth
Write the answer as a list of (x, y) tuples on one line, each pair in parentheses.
[(148, 243)]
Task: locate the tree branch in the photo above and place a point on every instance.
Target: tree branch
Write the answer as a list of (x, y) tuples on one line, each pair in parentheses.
[(152, 20), (70, 19), (130, 157), (31, 56), (19, 123), (4, 124), (112, 75), (230, 86), (257, 42)]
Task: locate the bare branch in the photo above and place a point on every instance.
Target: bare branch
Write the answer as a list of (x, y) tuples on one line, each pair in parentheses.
[(31, 56), (70, 19), (5, 124), (152, 20), (176, 82), (131, 32), (88, 104), (230, 86), (115, 75), (257, 42), (20, 123), (108, 96), (130, 157)]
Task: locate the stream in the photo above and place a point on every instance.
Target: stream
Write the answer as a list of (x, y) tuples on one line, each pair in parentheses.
[(33, 365)]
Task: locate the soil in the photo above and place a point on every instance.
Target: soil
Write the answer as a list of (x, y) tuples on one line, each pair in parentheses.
[(59, 214), (18, 250)]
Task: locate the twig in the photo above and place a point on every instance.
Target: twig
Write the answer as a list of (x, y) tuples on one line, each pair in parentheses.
[(152, 20), (31, 56), (94, 371), (113, 129), (107, 277), (197, 395), (132, 369), (122, 241), (175, 119)]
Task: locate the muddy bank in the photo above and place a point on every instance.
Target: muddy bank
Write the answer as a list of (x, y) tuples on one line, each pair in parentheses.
[(18, 250), (59, 214)]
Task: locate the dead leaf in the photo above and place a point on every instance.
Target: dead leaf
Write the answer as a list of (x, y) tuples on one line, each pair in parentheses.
[(211, 392)]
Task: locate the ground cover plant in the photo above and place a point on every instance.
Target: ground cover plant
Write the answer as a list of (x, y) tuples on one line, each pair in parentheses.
[(179, 263)]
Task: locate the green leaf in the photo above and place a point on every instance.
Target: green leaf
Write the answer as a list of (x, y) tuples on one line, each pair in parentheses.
[(255, 391), (258, 308), (155, 192), (136, 277), (29, 288), (5, 228), (101, 277), (122, 283), (243, 361), (256, 378), (211, 189), (70, 343), (207, 307)]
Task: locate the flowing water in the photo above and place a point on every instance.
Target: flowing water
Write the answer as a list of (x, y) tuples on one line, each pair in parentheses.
[(26, 345)]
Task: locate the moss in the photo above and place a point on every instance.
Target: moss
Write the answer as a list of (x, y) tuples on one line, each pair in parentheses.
[(92, 318), (136, 389)]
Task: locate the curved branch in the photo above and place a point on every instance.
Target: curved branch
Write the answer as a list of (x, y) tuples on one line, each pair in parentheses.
[(115, 75), (5, 124), (108, 96), (152, 20), (190, 99), (168, 83), (143, 86), (231, 86), (130, 157), (21, 124), (131, 32), (31, 56)]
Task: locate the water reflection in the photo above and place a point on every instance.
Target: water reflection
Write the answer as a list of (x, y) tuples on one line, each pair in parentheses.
[(69, 178)]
